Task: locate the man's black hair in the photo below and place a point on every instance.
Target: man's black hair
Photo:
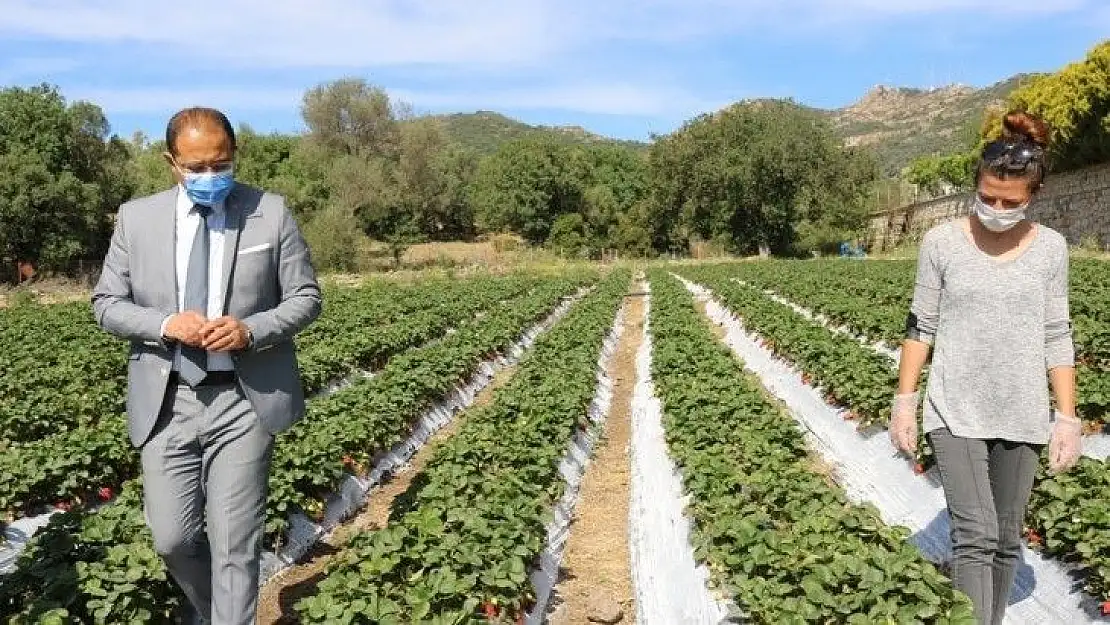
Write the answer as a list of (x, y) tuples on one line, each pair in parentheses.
[(196, 116)]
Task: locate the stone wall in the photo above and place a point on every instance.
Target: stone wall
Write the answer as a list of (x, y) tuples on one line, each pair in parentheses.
[(1077, 204)]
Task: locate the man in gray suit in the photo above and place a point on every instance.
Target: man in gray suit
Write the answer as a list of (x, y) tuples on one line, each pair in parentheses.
[(210, 281)]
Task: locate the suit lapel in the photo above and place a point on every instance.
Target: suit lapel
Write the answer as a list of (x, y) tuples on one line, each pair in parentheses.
[(233, 228), (164, 259)]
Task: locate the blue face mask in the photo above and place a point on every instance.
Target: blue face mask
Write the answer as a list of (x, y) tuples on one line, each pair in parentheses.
[(209, 188)]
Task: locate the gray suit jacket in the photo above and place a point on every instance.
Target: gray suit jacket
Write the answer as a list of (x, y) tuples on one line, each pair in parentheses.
[(272, 288)]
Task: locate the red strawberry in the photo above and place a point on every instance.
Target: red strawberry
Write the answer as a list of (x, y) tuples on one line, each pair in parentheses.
[(1106, 608), (919, 468), (104, 493), (490, 610)]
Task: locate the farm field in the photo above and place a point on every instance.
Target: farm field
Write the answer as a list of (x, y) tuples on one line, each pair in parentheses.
[(741, 508)]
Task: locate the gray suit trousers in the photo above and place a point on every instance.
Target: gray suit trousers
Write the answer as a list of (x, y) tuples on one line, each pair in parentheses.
[(205, 475)]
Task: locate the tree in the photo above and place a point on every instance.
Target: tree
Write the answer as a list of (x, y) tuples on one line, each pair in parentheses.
[(398, 177), (149, 169), (749, 175), (1075, 102), (568, 235), (524, 187), (288, 165), (353, 117), (433, 175), (615, 182), (529, 184), (333, 234), (633, 231), (61, 178)]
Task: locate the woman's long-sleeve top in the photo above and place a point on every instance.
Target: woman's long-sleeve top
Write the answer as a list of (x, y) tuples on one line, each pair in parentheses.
[(996, 327)]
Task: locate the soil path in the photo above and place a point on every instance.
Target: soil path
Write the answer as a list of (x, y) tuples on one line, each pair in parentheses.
[(281, 593), (595, 577)]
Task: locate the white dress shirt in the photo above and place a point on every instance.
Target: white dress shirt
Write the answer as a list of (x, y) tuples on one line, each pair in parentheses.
[(186, 221)]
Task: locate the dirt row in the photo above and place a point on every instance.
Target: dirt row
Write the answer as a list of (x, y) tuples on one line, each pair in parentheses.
[(595, 583)]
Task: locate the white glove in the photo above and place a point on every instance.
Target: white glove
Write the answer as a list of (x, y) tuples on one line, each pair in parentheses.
[(1066, 444), (903, 423)]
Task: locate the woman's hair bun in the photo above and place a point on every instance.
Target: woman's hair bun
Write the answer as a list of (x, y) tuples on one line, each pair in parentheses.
[(1019, 125)]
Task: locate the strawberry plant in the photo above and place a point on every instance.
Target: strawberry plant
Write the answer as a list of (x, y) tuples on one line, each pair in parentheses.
[(1070, 516), (91, 568), (383, 319), (461, 541), (1067, 512), (872, 299), (123, 582), (850, 374), (780, 540), (348, 429)]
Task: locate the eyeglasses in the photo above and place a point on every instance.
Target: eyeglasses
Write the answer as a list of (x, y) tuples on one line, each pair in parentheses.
[(200, 168), (1012, 156)]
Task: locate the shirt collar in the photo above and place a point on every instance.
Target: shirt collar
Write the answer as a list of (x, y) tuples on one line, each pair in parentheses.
[(185, 205)]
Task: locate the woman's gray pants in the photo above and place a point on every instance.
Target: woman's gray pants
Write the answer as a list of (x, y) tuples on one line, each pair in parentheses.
[(987, 485)]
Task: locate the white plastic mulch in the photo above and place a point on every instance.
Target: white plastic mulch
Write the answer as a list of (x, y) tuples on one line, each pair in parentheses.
[(1095, 446), (871, 471), (341, 505), (670, 586), (573, 468), (879, 347)]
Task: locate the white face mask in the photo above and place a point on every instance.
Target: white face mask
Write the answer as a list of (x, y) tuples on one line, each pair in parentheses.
[(998, 220)]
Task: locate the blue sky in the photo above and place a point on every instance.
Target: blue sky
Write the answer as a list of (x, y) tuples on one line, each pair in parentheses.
[(624, 68)]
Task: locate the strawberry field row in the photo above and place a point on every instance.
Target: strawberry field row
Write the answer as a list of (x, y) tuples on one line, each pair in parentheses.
[(461, 542), (347, 430), (110, 550), (363, 327), (1072, 510), (75, 464), (781, 541), (57, 370), (850, 374), (62, 373), (872, 298)]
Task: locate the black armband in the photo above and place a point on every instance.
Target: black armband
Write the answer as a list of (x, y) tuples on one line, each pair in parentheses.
[(913, 328)]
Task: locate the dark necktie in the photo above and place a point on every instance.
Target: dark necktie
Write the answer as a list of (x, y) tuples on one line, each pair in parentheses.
[(194, 360)]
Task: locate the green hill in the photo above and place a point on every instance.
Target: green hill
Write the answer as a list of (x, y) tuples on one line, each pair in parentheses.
[(898, 123), (483, 131)]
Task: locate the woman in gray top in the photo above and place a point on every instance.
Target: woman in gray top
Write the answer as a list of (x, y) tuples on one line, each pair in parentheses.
[(991, 303)]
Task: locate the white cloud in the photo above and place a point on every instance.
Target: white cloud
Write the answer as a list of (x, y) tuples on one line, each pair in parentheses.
[(166, 101), (608, 99), (35, 67), (468, 55), (291, 33), (474, 34), (593, 98)]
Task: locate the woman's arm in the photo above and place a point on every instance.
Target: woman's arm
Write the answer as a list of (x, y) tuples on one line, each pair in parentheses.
[(923, 318), (915, 353), (1062, 380), (921, 328), (1065, 444), (1058, 345)]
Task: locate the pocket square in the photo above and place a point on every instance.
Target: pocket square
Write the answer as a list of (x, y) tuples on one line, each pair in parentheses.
[(256, 248)]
